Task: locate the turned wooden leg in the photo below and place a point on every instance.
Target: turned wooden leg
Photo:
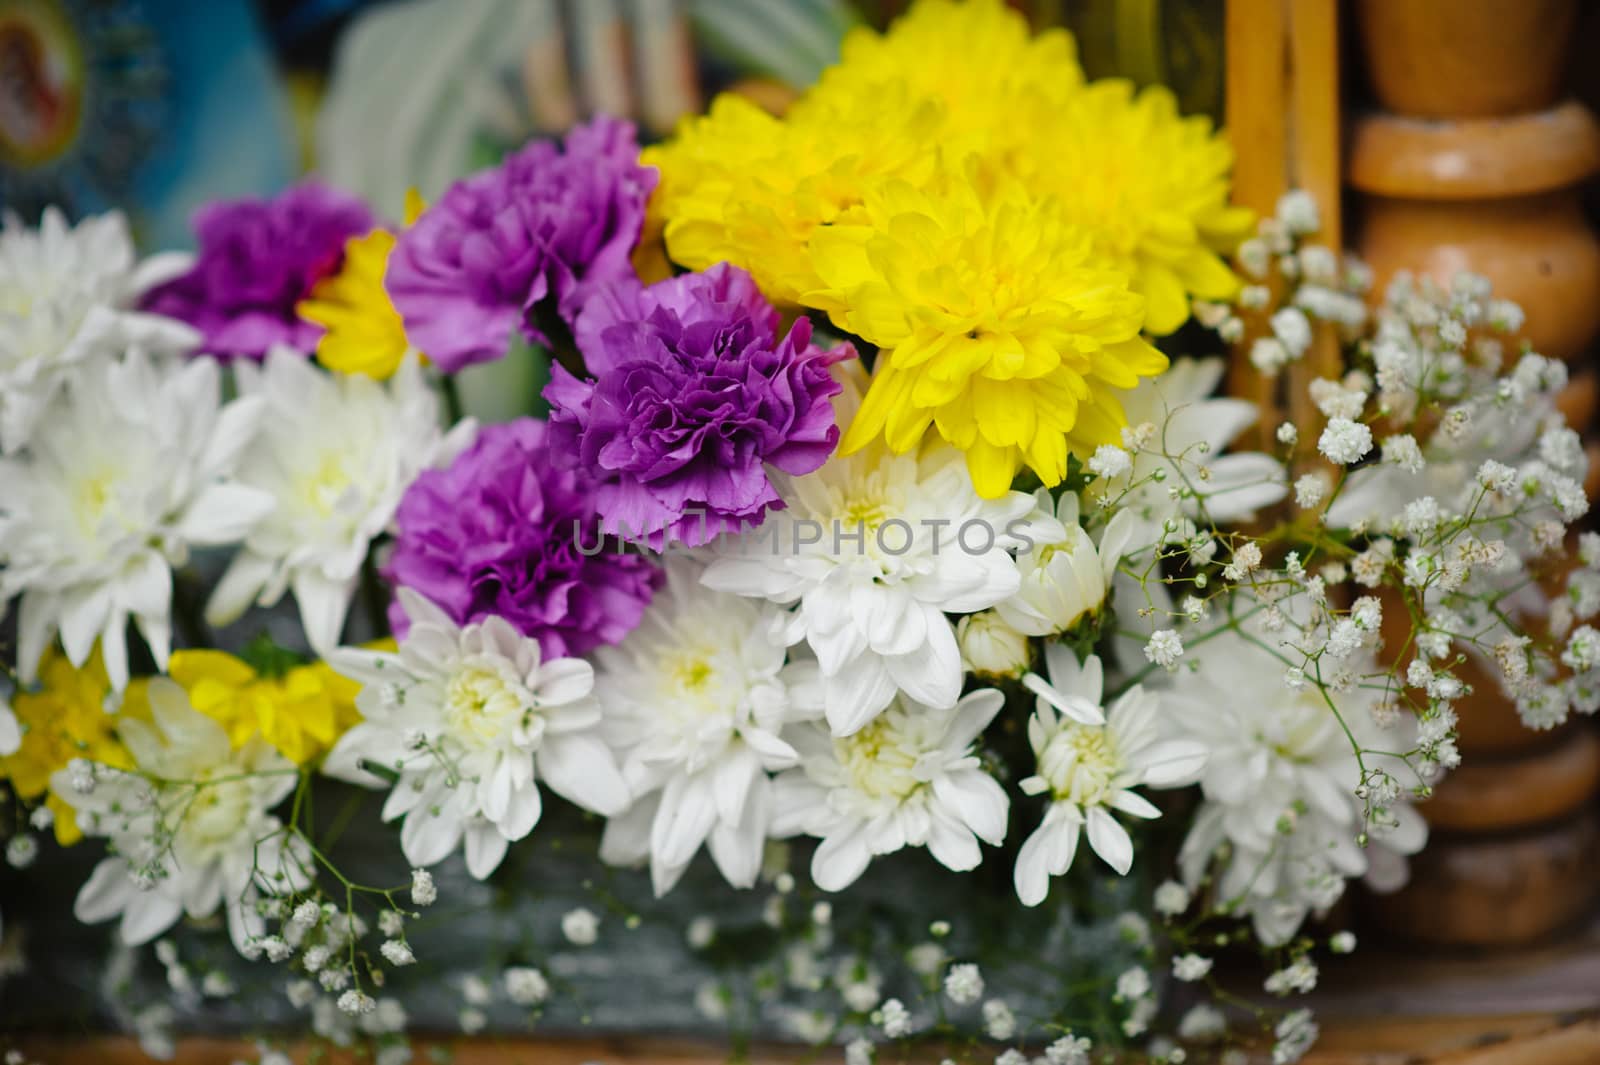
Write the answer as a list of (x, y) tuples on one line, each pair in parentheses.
[(1462, 170)]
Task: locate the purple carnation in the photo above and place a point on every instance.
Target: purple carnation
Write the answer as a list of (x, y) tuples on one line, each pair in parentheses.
[(256, 260), (694, 396), (545, 222), (503, 531)]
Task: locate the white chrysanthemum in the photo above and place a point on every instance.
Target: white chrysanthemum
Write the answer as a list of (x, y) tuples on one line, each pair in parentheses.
[(336, 452), (1194, 427), (1089, 761), (1280, 788), (191, 828), (1065, 575), (470, 720), (876, 549), (694, 701), (909, 778), (129, 467), (66, 296)]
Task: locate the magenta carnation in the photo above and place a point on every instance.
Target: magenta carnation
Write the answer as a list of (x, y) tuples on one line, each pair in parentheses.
[(503, 531), (256, 260), (694, 395), (544, 223)]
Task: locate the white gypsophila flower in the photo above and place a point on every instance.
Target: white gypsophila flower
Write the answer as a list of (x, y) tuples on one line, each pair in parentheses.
[(875, 549), (335, 452), (1193, 429), (999, 1022), (1133, 984), (1297, 211), (895, 1019), (68, 296), (1171, 898), (910, 778), (1310, 489), (1344, 441), (1064, 575), (1069, 1050), (1339, 399), (423, 891), (525, 986), (1299, 976), (1295, 1033), (580, 926), (695, 698), (1293, 330), (1191, 967), (356, 1002), (466, 722), (1109, 460), (1202, 1024), (1164, 648), (858, 1052), (1268, 355), (1280, 788), (1505, 420), (1255, 257), (1402, 450), (991, 648), (190, 826), (963, 984), (1089, 761), (129, 468)]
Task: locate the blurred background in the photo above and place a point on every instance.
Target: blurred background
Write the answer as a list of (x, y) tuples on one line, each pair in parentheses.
[(156, 106)]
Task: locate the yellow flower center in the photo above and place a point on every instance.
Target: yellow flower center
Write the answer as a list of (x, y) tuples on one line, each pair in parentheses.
[(1080, 763), (94, 497), (480, 705), (322, 488), (218, 811), (694, 683), (878, 761)]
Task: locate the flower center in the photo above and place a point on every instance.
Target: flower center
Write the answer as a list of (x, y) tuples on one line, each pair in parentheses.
[(695, 684), (480, 705), (878, 761), (1080, 763), (324, 486), (218, 812)]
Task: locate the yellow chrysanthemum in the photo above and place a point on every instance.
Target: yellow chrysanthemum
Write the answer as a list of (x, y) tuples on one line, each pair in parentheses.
[(1152, 187), (742, 186), (301, 713), (364, 333), (995, 325), (976, 60), (66, 719)]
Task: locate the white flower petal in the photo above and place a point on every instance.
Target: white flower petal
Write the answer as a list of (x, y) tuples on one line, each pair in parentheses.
[(581, 768), (323, 605), (147, 915), (840, 860), (1110, 840), (243, 580), (486, 849), (106, 893)]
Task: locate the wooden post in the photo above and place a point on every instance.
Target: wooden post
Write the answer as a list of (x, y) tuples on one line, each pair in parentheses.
[(1256, 44)]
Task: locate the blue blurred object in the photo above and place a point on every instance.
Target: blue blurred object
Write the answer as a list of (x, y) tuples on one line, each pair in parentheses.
[(154, 106)]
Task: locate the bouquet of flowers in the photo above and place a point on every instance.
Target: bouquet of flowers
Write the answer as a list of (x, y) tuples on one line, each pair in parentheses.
[(872, 532)]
